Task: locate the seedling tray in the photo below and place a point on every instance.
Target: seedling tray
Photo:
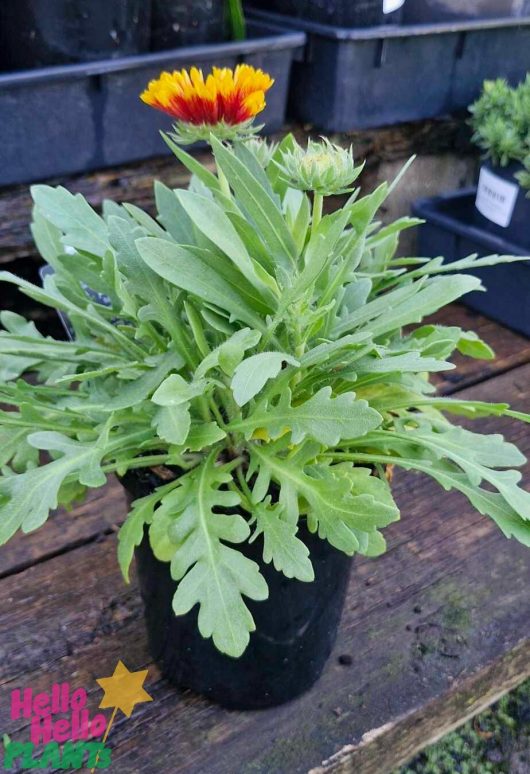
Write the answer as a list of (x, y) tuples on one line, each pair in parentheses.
[(375, 76), (449, 231), (74, 118)]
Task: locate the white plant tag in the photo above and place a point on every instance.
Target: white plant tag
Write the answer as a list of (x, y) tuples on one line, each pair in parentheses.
[(496, 197), (389, 6)]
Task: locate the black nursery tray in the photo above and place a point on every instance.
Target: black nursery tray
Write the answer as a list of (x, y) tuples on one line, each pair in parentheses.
[(376, 76), (449, 231), (74, 118)]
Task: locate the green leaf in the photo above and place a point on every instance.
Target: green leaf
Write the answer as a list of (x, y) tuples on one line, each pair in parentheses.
[(251, 374), (259, 207), (81, 226), (322, 353), (132, 530), (343, 502), (142, 280), (388, 363), (406, 305), (206, 177), (172, 215), (209, 572), (185, 270), (288, 553), (230, 353), (471, 344), (204, 435), (130, 393), (213, 222), (15, 450), (173, 423), (475, 454), (322, 417), (27, 498), (175, 390)]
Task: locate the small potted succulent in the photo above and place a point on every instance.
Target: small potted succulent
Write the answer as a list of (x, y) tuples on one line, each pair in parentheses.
[(247, 375), (501, 124)]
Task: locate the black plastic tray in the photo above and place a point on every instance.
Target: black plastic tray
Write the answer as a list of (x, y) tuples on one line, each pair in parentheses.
[(377, 76), (73, 118), (449, 231)]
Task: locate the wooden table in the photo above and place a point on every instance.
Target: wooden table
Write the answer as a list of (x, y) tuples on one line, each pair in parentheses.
[(433, 631)]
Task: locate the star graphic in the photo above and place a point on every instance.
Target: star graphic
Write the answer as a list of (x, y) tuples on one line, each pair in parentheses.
[(124, 689)]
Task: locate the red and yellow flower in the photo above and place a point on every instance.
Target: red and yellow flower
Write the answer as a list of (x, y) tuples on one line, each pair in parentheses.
[(227, 98)]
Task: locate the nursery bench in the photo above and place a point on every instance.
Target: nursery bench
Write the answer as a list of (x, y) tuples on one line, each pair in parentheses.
[(432, 632)]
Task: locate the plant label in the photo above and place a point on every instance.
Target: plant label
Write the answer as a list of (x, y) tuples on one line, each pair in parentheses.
[(496, 197), (389, 6)]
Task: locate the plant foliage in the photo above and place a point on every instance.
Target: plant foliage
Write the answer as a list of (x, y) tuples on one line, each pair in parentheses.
[(255, 349), (501, 123)]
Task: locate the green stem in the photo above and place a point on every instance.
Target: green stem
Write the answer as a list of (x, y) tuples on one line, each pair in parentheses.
[(217, 414), (244, 501), (244, 486), (139, 462), (384, 459), (318, 201)]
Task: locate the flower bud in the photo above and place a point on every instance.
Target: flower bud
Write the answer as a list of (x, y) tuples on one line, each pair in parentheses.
[(322, 167)]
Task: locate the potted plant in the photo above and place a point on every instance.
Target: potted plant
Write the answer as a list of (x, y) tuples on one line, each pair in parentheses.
[(249, 379), (38, 33), (500, 118)]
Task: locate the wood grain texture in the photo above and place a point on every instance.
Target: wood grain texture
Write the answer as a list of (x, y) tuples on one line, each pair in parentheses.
[(433, 629)]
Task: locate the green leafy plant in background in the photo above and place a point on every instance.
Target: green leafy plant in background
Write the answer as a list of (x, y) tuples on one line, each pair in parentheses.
[(500, 118), (236, 19), (495, 742), (256, 349)]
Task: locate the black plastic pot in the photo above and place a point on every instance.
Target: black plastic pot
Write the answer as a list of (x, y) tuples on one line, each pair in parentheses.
[(428, 11), (450, 230), (187, 23), (364, 78), (38, 33), (296, 626), (503, 209), (340, 13), (79, 117)]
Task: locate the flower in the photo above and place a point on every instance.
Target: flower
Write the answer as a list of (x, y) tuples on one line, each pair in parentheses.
[(224, 103), (322, 167)]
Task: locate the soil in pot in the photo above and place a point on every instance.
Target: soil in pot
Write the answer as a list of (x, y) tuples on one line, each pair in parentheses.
[(187, 23), (339, 13), (502, 206), (295, 632), (38, 33), (429, 11)]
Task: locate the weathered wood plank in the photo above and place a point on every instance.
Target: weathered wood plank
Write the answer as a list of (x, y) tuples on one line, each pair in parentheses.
[(439, 624)]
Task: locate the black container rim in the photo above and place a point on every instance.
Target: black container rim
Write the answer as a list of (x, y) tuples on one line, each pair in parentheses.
[(270, 37), (385, 31), (428, 210)]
